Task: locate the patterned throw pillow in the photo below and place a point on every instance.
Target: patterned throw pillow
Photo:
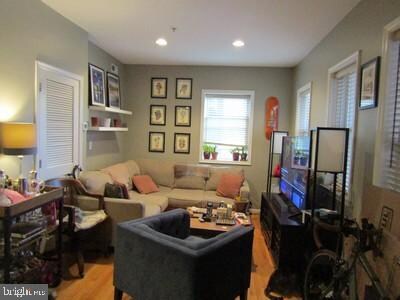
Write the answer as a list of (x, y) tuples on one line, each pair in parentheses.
[(116, 190)]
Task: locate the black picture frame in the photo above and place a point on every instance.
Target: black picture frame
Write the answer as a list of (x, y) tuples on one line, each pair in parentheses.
[(179, 94), (153, 148), (177, 137), (118, 90), (153, 112), (97, 90), (369, 84), (154, 93), (178, 122)]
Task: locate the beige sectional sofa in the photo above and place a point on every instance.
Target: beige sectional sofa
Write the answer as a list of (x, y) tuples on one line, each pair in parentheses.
[(194, 189)]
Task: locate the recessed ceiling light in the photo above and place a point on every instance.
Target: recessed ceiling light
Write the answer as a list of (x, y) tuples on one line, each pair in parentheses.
[(238, 43), (161, 42)]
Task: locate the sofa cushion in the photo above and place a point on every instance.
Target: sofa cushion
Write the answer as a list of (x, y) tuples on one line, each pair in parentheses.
[(190, 176), (133, 168), (161, 171), (144, 184), (215, 176), (184, 198), (190, 182), (229, 185), (120, 174), (155, 199), (95, 181)]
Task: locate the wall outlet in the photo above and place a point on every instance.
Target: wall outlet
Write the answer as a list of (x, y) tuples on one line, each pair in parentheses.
[(386, 218), (90, 145)]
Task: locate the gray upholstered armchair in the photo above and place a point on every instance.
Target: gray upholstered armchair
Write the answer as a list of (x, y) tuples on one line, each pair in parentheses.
[(156, 258)]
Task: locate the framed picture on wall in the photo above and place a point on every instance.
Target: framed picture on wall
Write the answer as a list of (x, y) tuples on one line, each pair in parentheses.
[(113, 91), (184, 88), (158, 114), (97, 86), (159, 87), (156, 141), (183, 116), (182, 143), (369, 84)]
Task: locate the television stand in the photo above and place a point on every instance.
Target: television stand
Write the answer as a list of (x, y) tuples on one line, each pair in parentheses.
[(284, 236)]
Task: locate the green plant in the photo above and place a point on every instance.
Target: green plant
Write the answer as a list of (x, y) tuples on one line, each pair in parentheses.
[(244, 149), (207, 148), (213, 148), (235, 150)]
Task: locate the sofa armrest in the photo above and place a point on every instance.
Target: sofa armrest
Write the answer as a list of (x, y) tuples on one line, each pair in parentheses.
[(245, 191)]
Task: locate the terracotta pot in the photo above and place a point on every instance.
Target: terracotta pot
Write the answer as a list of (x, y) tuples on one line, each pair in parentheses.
[(214, 155), (206, 155), (235, 156)]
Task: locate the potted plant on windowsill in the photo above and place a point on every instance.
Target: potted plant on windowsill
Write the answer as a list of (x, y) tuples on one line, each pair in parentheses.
[(243, 155), (214, 153), (235, 154), (206, 151)]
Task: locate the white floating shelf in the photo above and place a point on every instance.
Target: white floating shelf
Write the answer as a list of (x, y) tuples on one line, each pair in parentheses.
[(108, 129), (110, 109)]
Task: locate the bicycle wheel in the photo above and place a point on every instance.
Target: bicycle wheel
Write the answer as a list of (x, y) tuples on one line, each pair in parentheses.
[(319, 277)]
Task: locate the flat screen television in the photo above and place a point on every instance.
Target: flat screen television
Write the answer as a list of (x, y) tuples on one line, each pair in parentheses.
[(294, 170)]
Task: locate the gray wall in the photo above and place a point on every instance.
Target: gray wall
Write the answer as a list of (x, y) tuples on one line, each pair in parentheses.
[(264, 81), (106, 147), (361, 29), (30, 31)]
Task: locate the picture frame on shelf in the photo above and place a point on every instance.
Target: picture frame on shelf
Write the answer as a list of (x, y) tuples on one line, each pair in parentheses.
[(97, 86), (369, 84), (159, 87), (183, 88), (113, 90), (182, 143), (183, 116), (156, 141), (158, 115)]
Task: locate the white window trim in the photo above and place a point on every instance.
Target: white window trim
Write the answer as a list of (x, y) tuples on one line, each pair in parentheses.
[(249, 147), (383, 92), (300, 91), (44, 66), (355, 59)]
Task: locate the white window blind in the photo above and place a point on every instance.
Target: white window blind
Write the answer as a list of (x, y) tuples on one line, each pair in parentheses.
[(226, 120), (391, 166), (345, 110), (303, 106)]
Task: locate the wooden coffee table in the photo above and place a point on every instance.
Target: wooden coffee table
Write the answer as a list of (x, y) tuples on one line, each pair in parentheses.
[(210, 229)]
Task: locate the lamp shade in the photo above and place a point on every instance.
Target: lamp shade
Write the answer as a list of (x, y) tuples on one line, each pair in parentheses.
[(18, 138)]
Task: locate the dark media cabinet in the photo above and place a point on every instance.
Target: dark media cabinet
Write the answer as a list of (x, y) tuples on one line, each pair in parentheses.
[(284, 236)]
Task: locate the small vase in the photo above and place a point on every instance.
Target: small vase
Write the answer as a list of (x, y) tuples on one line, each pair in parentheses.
[(243, 156), (206, 155), (214, 155), (235, 156)]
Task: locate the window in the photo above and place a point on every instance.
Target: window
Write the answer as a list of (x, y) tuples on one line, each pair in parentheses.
[(227, 122), (389, 143), (343, 103), (303, 107)]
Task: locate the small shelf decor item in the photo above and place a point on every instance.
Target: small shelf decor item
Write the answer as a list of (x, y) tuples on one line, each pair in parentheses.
[(97, 86), (156, 141), (158, 114), (183, 116), (159, 86), (182, 143), (369, 84), (183, 88), (113, 91)]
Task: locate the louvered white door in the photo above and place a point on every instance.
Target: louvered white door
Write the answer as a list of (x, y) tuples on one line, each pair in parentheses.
[(58, 120)]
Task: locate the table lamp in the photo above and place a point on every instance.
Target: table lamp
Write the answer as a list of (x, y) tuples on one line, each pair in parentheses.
[(18, 139)]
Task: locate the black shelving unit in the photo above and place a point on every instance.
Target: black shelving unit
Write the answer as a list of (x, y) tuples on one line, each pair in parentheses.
[(8, 215)]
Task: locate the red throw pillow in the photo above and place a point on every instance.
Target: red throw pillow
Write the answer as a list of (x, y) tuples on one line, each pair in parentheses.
[(229, 185), (144, 184)]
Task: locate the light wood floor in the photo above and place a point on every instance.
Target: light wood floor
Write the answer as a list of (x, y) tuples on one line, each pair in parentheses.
[(97, 283)]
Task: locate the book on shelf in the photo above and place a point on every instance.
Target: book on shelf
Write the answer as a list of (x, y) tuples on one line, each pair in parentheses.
[(25, 229)]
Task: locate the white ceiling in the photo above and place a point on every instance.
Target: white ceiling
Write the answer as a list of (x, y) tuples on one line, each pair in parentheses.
[(276, 32)]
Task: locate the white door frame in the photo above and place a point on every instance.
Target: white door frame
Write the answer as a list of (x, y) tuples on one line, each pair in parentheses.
[(39, 65)]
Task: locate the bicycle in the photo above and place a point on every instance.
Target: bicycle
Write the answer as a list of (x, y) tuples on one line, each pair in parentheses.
[(332, 276)]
